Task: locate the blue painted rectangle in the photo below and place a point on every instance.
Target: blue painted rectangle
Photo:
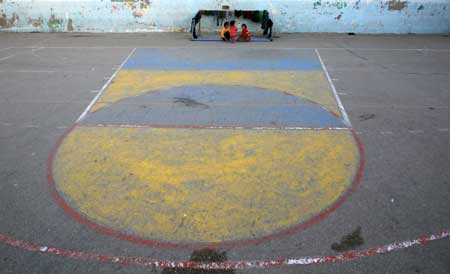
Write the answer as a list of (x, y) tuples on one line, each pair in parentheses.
[(218, 39), (223, 58), (216, 105)]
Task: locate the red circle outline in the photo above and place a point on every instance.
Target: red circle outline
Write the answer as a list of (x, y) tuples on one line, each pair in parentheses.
[(230, 244)]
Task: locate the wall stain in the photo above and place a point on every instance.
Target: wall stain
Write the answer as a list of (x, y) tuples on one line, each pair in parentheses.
[(14, 19), (287, 13), (70, 25), (397, 4), (7, 23), (340, 4), (35, 23), (317, 4), (139, 7), (4, 21), (137, 14), (54, 23)]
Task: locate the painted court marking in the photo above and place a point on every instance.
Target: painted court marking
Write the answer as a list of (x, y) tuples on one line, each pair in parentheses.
[(140, 261), (249, 47), (310, 260), (7, 57), (85, 112), (283, 83), (333, 88), (218, 127)]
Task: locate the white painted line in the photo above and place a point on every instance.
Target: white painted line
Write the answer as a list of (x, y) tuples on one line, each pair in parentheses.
[(94, 91), (386, 132), (5, 124), (5, 49), (418, 131), (334, 79), (336, 96), (7, 57), (250, 47), (444, 129), (85, 112), (37, 49), (36, 71), (148, 262), (61, 127), (342, 93), (31, 126), (385, 49), (216, 127)]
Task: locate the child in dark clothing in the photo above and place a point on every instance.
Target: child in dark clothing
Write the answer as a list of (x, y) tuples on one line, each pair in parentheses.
[(225, 34)]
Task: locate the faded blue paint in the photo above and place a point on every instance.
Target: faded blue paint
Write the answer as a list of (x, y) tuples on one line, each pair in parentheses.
[(218, 39), (215, 105), (359, 16), (213, 59)]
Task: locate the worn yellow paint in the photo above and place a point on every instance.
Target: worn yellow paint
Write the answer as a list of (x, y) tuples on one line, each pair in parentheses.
[(203, 185), (311, 85)]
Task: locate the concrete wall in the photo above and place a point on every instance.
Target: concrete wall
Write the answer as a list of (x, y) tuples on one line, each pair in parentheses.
[(359, 16)]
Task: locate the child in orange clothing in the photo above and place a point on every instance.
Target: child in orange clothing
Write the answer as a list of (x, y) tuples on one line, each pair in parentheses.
[(233, 31), (245, 35), (225, 34)]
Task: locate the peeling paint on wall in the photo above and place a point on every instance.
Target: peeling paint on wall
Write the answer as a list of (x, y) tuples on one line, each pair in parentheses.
[(54, 23), (4, 21), (138, 7), (70, 25), (345, 16), (397, 4), (14, 19), (35, 23)]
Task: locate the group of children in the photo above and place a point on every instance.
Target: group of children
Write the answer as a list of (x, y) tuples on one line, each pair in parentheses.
[(230, 33)]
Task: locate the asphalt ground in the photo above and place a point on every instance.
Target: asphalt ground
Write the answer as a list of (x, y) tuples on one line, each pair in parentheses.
[(396, 90)]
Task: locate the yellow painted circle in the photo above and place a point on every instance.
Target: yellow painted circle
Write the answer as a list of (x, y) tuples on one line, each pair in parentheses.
[(203, 186)]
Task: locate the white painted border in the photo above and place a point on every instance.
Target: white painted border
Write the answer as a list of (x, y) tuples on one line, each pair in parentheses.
[(336, 96), (7, 57), (217, 127), (85, 112), (227, 47), (147, 262)]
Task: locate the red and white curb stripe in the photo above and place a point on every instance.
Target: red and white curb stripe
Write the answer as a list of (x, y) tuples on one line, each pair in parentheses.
[(224, 265)]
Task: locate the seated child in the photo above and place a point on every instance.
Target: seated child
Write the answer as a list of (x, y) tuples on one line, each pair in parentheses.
[(225, 34), (233, 31), (245, 35)]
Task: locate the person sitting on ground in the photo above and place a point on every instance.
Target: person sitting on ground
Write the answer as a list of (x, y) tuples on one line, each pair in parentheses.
[(233, 31), (245, 34), (225, 34)]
